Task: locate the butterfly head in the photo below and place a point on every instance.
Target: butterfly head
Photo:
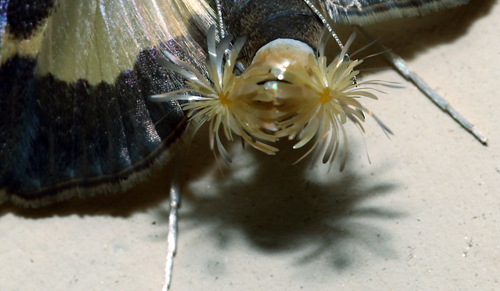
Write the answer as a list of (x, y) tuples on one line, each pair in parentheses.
[(289, 90)]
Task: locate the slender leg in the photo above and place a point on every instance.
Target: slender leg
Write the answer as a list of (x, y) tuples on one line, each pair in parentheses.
[(403, 69), (172, 228), (325, 22), (222, 32)]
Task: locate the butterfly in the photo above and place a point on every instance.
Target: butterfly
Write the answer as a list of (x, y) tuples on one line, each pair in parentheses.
[(68, 154), (72, 121)]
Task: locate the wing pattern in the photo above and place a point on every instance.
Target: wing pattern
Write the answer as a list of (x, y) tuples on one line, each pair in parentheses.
[(363, 12), (75, 81)]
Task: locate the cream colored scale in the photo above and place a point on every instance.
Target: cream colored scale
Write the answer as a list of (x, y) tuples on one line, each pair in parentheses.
[(98, 40)]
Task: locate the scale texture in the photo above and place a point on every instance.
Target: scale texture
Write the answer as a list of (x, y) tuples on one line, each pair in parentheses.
[(75, 81), (362, 12)]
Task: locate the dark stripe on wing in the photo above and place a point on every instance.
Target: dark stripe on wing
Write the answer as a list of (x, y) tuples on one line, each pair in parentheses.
[(362, 12), (25, 16), (58, 136)]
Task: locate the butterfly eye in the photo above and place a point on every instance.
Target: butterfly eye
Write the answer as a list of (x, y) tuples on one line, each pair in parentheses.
[(315, 98), (224, 99)]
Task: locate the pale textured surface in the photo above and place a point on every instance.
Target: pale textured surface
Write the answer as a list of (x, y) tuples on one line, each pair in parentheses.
[(401, 223)]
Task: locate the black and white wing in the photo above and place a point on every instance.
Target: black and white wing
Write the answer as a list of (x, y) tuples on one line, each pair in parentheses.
[(75, 78), (362, 12)]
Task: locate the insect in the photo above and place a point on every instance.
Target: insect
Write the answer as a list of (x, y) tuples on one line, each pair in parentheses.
[(42, 105)]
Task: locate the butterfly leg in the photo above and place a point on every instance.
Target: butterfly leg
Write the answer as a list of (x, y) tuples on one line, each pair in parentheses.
[(172, 229), (403, 69)]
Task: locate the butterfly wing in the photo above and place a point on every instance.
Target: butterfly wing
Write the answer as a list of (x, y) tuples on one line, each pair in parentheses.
[(362, 12), (75, 79)]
